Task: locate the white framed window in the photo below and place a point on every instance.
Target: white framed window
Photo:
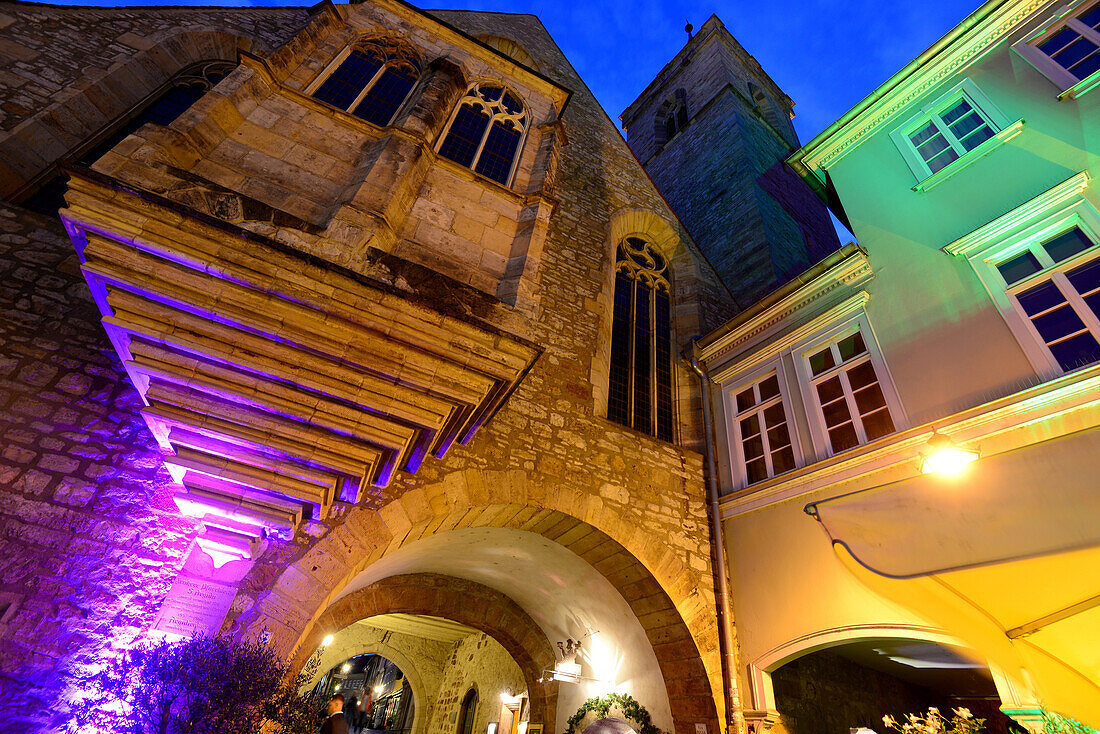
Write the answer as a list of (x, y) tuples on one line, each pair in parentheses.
[(962, 123), (1066, 49), (1040, 264), (1055, 284), (763, 439), (847, 392), (371, 79)]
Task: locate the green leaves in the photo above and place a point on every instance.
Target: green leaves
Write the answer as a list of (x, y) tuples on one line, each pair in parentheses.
[(601, 705)]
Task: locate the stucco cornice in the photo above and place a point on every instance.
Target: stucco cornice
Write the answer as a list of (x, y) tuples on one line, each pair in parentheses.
[(976, 35), (851, 271), (1070, 191)]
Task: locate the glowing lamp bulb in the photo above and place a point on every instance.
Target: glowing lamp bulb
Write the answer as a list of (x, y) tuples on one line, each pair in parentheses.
[(345, 668), (945, 457), (377, 690), (327, 641)]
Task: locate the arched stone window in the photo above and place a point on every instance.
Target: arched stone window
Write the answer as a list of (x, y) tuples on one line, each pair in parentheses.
[(486, 131), (672, 117), (640, 385), (161, 107), (373, 80), (467, 713)]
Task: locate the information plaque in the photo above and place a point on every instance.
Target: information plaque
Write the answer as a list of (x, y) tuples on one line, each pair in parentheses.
[(194, 606)]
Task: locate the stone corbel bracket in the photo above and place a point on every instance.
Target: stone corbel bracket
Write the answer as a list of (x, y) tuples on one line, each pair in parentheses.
[(278, 383)]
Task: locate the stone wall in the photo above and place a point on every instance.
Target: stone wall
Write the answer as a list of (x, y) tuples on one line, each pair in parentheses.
[(477, 662), (91, 540), (52, 56)]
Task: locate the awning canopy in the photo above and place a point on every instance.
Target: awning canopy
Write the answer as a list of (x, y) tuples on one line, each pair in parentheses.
[(1007, 557)]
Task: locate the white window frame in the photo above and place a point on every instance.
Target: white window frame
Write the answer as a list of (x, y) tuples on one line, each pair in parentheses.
[(738, 470), (1068, 85), (930, 112), (819, 433), (329, 70), (1047, 215)]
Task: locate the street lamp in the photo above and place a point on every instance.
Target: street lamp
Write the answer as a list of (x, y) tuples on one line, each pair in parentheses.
[(944, 457)]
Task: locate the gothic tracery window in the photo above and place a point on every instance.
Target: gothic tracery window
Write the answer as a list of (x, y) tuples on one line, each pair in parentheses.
[(640, 385), (486, 131), (372, 81)]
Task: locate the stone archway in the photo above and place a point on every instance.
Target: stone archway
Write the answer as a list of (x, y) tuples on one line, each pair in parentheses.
[(459, 600), (673, 603)]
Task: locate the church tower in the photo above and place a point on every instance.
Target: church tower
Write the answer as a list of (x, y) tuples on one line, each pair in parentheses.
[(713, 131)]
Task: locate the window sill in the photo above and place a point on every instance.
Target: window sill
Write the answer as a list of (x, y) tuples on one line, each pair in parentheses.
[(980, 152), (1079, 89)]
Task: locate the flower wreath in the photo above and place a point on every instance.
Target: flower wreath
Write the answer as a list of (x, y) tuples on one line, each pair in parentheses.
[(602, 706)]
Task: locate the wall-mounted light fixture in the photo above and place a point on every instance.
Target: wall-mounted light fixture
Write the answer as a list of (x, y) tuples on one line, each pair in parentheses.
[(944, 457)]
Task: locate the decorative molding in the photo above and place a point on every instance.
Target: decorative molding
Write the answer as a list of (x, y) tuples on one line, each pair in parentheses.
[(852, 305), (820, 154), (852, 271), (1068, 193)]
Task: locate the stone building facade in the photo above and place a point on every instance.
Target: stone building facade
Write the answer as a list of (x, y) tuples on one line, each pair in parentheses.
[(714, 130), (342, 375)]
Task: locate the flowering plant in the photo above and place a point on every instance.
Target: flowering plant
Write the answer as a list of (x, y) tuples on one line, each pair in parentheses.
[(933, 722)]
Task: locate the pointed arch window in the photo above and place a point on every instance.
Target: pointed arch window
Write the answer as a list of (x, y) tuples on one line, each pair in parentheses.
[(640, 385), (486, 131), (372, 81), (467, 713), (676, 119)]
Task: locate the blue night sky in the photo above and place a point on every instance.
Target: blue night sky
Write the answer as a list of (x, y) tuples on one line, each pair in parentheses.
[(825, 54)]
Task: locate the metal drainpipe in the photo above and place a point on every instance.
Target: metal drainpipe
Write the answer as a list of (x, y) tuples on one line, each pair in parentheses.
[(725, 625)]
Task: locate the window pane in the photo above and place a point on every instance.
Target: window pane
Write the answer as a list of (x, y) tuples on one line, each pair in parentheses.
[(843, 437), (345, 84), (750, 426), (1019, 267), (1088, 66), (465, 134), (1040, 298), (862, 375), (829, 390), (960, 110), (783, 460), (618, 392), (769, 388), (1074, 53), (821, 361), (1092, 18), (1085, 278), (1058, 323), (851, 346), (966, 125), (1076, 352), (779, 436), (976, 138), (869, 399), (745, 400), (933, 147), (754, 447), (944, 159), (663, 366), (757, 470), (836, 413), (878, 424), (1067, 244), (499, 152), (774, 415), (1058, 41), (642, 341), (387, 94), (925, 134)]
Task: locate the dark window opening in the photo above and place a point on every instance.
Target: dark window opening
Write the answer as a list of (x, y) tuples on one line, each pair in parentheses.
[(486, 132)]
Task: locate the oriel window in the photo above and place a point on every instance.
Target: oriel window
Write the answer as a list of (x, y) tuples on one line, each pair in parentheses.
[(372, 81), (486, 131), (640, 385)]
